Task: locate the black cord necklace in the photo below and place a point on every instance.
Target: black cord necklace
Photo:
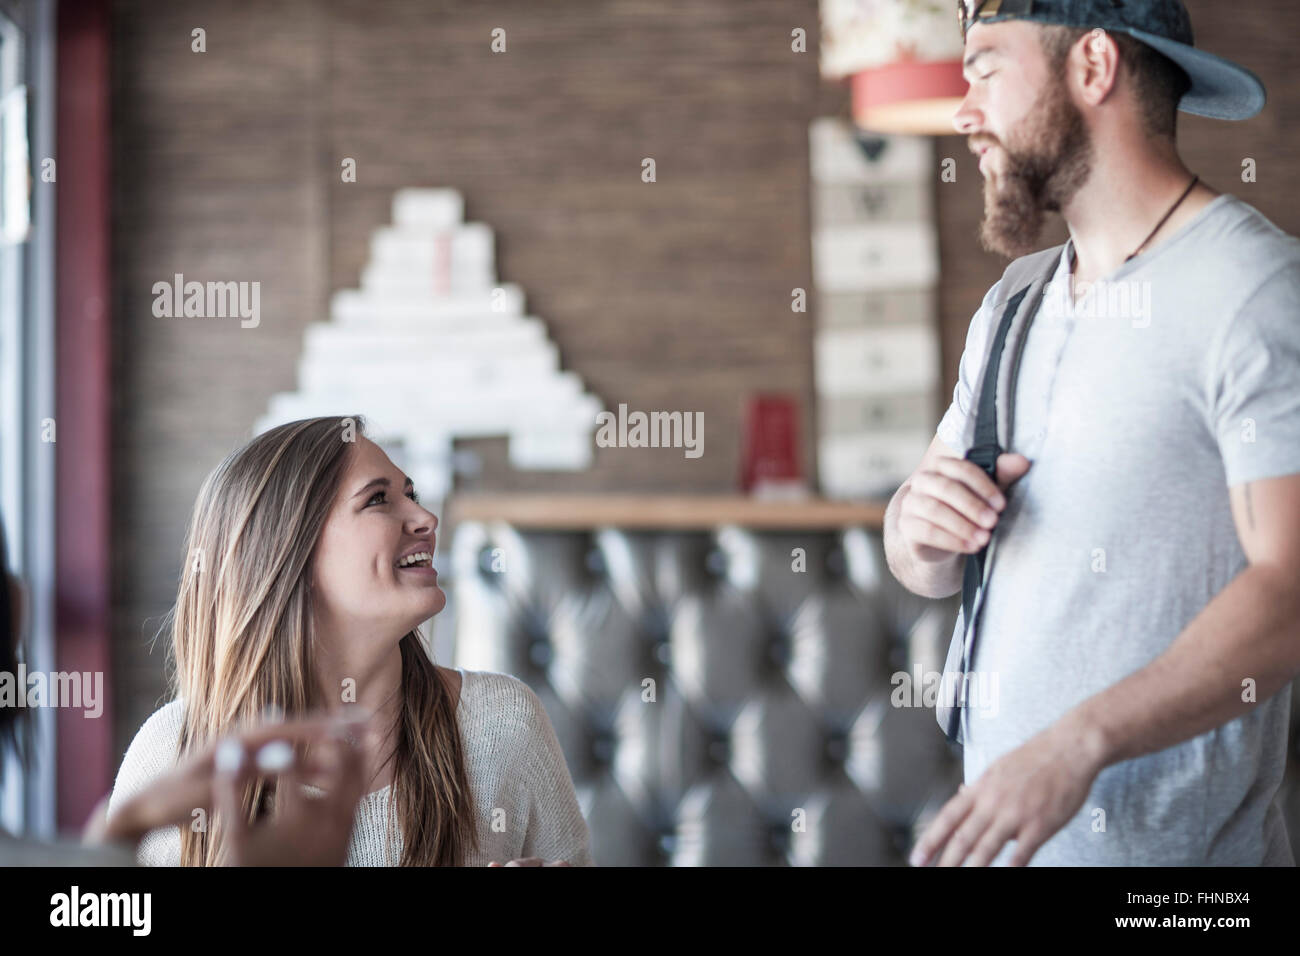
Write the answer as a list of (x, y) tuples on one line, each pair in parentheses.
[(1187, 192)]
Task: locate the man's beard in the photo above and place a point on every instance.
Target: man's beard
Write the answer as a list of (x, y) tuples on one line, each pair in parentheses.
[(1049, 162)]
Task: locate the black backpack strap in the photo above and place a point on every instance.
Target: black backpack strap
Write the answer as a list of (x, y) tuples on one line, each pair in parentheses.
[(1029, 276), (986, 448)]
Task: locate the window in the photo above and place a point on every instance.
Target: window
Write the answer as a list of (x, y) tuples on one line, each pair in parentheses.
[(27, 373)]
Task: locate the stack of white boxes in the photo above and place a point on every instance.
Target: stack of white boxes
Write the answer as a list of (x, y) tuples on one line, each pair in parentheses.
[(875, 268), (432, 348)]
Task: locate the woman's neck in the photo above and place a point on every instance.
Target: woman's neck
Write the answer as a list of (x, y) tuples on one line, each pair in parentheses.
[(347, 682)]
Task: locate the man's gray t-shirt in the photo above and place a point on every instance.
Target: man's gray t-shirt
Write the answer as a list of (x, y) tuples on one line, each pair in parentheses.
[(1175, 378)]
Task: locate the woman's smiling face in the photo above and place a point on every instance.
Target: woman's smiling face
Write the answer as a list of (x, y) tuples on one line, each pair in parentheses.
[(361, 582)]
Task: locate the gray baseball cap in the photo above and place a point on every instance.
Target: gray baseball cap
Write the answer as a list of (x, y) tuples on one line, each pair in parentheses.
[(1220, 88)]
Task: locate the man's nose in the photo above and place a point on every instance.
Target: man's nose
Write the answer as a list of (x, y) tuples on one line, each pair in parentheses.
[(967, 118)]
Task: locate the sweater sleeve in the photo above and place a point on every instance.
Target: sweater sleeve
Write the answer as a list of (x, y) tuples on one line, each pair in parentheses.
[(151, 754), (556, 829)]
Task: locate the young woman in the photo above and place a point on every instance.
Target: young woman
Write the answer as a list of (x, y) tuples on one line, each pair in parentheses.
[(307, 571)]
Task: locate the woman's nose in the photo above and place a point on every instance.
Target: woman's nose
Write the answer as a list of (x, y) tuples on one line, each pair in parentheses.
[(425, 519)]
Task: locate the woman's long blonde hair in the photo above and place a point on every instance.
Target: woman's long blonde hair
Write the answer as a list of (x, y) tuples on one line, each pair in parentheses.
[(243, 645)]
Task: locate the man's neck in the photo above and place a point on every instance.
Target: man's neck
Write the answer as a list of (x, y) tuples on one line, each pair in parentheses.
[(1115, 211)]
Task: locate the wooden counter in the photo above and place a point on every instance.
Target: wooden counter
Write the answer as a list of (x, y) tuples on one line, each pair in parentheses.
[(661, 512)]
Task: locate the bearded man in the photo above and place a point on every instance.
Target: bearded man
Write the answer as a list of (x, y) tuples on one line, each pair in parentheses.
[(1126, 531)]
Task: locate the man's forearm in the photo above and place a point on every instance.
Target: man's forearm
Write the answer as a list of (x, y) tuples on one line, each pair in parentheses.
[(937, 580), (1249, 632)]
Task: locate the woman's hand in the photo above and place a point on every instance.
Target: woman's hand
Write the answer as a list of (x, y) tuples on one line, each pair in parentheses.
[(531, 861)]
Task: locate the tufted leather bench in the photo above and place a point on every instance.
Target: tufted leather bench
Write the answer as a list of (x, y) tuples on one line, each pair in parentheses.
[(723, 695)]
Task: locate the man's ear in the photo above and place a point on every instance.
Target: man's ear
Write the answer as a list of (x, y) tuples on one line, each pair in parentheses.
[(1095, 62)]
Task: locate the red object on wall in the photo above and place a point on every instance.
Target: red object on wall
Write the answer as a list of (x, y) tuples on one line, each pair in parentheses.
[(908, 80), (909, 96), (770, 450), (82, 363)]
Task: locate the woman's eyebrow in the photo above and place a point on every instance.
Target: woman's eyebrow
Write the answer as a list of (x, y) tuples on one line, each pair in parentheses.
[(380, 482)]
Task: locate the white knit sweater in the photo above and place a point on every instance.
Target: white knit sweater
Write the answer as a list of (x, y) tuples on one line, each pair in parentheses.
[(513, 761)]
